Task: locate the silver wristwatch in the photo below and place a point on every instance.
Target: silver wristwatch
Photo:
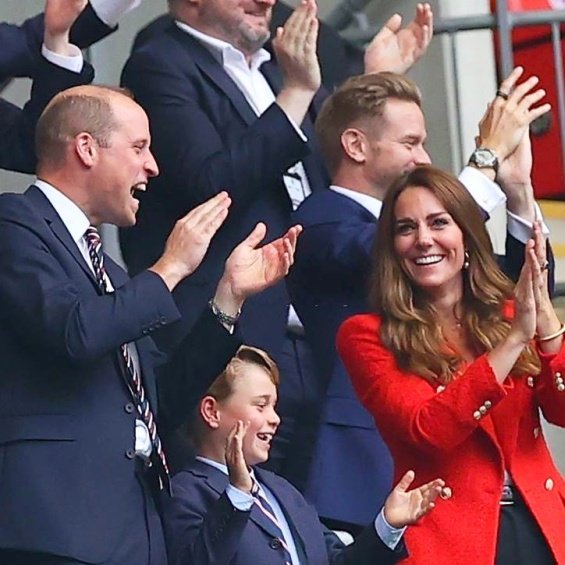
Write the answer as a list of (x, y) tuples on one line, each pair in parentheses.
[(484, 158)]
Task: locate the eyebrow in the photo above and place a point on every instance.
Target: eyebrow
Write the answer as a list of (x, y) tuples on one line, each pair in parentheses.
[(428, 217)]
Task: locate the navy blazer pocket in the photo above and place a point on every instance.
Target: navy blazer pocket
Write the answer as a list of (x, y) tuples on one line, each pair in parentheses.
[(57, 427)]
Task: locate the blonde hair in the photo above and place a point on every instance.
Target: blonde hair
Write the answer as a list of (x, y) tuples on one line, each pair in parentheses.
[(409, 323), (357, 100), (223, 386)]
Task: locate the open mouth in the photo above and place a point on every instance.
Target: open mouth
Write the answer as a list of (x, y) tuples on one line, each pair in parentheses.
[(267, 437), (141, 186), (428, 260)]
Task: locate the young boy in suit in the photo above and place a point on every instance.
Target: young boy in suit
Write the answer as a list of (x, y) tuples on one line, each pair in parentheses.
[(227, 510)]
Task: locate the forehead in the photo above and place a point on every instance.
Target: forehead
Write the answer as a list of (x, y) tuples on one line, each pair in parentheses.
[(416, 201), (402, 118), (130, 117)]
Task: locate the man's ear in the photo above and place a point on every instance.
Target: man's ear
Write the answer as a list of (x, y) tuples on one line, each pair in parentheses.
[(210, 412), (354, 144), (86, 149)]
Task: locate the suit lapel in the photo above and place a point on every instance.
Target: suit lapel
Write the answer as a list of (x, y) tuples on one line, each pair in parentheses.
[(213, 69), (43, 206), (298, 516)]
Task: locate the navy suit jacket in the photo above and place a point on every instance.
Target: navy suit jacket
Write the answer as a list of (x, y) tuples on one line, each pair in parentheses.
[(207, 138), (67, 471), (328, 283), (203, 527)]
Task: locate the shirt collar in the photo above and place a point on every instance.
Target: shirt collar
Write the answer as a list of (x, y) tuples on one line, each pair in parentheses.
[(223, 51), (370, 203), (71, 215)]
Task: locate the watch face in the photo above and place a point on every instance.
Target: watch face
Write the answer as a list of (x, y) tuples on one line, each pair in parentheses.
[(484, 158)]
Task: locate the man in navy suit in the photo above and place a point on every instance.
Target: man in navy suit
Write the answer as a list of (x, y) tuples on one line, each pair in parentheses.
[(226, 113), (371, 130), (47, 49), (227, 510), (80, 451)]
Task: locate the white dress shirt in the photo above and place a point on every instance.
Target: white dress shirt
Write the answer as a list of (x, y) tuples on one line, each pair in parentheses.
[(76, 222)]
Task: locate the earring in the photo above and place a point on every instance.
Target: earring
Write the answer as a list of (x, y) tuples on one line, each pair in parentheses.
[(466, 261)]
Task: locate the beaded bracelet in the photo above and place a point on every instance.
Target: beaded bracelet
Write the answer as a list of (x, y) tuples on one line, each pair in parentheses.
[(222, 316), (559, 332)]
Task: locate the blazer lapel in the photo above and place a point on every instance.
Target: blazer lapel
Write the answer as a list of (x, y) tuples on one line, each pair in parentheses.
[(43, 206), (213, 69), (298, 516)]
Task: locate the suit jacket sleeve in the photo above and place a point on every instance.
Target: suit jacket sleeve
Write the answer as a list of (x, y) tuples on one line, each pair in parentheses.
[(200, 527), (46, 308), (21, 45), (340, 250), (367, 549), (407, 405), (189, 146), (17, 127)]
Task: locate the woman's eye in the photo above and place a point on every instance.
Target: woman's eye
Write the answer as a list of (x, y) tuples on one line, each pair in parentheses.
[(403, 229)]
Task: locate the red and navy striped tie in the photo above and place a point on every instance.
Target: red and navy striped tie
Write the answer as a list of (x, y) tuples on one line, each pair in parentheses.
[(92, 238)]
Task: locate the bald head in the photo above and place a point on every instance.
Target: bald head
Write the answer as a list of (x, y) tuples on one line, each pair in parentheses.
[(82, 109)]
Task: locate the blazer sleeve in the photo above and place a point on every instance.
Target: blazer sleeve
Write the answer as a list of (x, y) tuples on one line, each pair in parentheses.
[(46, 308), (407, 406), (17, 126), (340, 250), (200, 527), (200, 160), (367, 549), (549, 387), (21, 45)]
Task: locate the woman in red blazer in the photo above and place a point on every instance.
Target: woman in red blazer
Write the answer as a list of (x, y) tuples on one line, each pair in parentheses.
[(455, 374)]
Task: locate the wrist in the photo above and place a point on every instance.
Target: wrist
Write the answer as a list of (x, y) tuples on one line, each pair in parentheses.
[(171, 272), (59, 44), (227, 299)]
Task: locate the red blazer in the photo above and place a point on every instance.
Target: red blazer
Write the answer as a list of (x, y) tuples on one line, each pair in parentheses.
[(467, 433)]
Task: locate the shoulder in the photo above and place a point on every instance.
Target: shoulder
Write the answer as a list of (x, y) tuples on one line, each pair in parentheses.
[(16, 208), (360, 324)]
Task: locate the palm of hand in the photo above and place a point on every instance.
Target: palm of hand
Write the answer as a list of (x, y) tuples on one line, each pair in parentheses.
[(252, 270), (395, 52), (405, 507)]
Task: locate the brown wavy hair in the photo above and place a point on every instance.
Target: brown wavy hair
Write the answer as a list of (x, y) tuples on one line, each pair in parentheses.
[(409, 325)]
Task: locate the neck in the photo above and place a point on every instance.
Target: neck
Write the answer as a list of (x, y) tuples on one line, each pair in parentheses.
[(352, 180)]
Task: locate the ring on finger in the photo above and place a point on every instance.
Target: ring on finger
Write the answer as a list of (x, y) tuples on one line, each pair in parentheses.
[(502, 94), (543, 266)]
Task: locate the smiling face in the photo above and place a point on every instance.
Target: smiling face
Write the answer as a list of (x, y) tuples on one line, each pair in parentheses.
[(242, 23), (253, 400), (428, 242), (397, 144), (123, 167)]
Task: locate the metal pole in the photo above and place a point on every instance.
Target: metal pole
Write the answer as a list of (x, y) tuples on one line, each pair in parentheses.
[(457, 96), (559, 83), (505, 37)]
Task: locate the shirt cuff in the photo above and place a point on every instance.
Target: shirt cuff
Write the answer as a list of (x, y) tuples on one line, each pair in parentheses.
[(110, 11), (389, 535), (486, 193), (73, 63), (243, 501), (522, 229)]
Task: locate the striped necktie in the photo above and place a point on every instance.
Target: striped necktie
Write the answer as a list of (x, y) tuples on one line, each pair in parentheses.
[(267, 510), (94, 243)]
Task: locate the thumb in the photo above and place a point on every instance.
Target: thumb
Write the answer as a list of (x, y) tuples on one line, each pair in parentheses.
[(256, 236), (405, 481)]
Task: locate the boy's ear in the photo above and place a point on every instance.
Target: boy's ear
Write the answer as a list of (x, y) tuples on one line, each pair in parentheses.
[(210, 412)]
